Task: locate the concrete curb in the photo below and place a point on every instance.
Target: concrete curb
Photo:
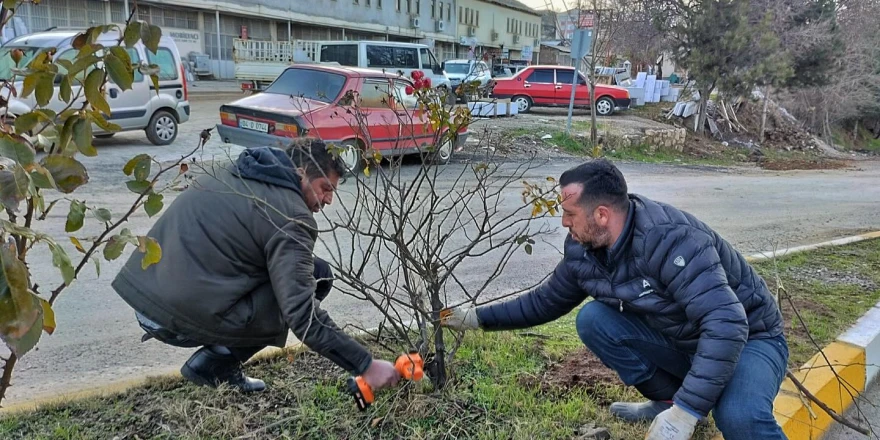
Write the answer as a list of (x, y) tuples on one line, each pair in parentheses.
[(211, 96), (121, 386), (855, 356)]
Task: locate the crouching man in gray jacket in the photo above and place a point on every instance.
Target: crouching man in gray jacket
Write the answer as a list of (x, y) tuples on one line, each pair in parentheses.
[(238, 271), (677, 311)]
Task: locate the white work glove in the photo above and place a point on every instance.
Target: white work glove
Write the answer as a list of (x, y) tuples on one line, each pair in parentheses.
[(673, 424), (381, 374), (460, 318)]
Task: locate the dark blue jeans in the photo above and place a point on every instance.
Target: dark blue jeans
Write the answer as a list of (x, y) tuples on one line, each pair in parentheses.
[(322, 273), (625, 343)]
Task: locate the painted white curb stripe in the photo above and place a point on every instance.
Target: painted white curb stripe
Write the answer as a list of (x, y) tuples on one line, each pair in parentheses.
[(865, 333)]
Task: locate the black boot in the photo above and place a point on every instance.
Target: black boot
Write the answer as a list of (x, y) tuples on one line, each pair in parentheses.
[(213, 365)]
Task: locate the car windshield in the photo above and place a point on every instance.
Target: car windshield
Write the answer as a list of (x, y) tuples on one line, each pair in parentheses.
[(458, 68), (6, 63), (310, 84)]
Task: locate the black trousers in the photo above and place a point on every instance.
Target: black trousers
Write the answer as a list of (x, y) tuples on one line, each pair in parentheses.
[(153, 330)]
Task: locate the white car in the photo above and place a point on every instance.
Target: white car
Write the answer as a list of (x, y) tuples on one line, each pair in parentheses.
[(467, 71), (388, 56), (139, 108)]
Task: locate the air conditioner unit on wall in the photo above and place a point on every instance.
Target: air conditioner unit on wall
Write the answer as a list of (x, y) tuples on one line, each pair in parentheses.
[(472, 31), (535, 43), (494, 36), (416, 23), (516, 39), (441, 25)]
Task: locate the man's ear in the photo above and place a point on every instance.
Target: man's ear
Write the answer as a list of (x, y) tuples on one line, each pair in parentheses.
[(300, 171), (602, 215)]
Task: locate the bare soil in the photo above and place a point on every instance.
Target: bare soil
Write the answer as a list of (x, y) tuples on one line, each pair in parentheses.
[(579, 369), (522, 138)]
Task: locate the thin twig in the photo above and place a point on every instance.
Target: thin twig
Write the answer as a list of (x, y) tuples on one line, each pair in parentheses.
[(834, 415)]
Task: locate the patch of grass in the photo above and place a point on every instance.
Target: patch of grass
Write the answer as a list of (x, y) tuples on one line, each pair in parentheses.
[(585, 126), (863, 141), (652, 110), (489, 398), (498, 389), (831, 287)]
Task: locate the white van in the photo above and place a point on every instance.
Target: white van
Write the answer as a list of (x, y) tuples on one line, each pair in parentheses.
[(392, 57), (139, 108)]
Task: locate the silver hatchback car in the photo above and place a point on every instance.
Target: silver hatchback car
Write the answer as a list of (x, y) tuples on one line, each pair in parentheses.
[(140, 108)]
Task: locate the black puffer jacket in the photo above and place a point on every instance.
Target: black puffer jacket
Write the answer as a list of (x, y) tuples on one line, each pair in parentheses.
[(703, 294)]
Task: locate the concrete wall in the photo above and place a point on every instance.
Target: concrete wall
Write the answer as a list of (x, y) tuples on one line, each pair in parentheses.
[(340, 13)]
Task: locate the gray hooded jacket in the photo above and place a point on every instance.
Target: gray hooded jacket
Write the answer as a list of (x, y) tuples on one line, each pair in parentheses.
[(237, 265)]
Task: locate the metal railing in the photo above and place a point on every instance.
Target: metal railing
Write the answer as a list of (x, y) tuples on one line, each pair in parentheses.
[(274, 51)]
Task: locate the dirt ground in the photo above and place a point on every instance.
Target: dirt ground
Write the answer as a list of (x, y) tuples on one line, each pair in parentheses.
[(580, 369), (520, 137)]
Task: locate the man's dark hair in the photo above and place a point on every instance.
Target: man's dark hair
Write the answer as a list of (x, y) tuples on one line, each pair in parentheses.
[(313, 156), (603, 184)]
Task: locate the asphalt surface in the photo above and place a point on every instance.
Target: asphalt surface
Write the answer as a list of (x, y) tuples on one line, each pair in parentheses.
[(98, 340), (867, 412)]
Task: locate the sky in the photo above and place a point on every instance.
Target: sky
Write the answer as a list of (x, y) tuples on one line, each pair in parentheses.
[(541, 4)]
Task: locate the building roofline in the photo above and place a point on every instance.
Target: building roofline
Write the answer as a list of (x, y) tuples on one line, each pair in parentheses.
[(515, 5)]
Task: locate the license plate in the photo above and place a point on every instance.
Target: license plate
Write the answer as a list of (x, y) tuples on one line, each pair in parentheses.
[(253, 125)]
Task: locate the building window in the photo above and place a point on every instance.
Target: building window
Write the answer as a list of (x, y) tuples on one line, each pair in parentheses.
[(379, 4), (159, 16), (230, 29), (374, 94), (392, 57), (434, 9), (460, 14), (409, 6), (418, 7), (398, 5), (165, 60), (478, 19), (448, 11)]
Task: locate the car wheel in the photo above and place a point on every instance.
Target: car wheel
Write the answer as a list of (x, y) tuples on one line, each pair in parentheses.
[(104, 136), (443, 154), (604, 106), (524, 103), (162, 129), (350, 153)]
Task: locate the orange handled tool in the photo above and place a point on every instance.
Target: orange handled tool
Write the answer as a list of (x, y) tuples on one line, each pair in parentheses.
[(410, 366)]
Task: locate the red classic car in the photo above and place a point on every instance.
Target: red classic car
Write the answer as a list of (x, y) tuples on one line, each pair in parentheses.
[(315, 100), (551, 86)]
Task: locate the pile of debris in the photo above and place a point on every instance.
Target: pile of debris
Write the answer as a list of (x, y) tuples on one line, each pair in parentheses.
[(738, 121)]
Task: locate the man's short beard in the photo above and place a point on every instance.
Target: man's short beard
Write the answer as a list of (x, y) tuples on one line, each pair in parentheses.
[(599, 237)]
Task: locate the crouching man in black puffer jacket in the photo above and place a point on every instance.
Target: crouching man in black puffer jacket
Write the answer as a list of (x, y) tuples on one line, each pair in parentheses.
[(678, 313)]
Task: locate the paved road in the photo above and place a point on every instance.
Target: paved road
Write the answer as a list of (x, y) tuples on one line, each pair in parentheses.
[(870, 407), (97, 339)]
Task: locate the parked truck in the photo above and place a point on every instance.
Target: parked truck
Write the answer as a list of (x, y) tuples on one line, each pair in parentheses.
[(258, 63)]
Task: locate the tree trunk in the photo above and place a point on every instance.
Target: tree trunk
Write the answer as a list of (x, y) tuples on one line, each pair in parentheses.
[(594, 135), (6, 379), (764, 115), (855, 134), (704, 107), (829, 138), (438, 373)]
